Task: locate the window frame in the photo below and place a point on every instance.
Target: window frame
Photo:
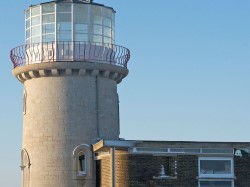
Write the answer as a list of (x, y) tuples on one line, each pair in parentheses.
[(214, 176), (214, 180)]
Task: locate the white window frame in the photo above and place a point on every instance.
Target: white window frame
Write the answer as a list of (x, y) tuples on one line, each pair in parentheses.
[(213, 180), (214, 176)]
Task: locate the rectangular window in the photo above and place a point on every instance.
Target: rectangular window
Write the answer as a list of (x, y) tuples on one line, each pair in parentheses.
[(219, 167), (216, 184)]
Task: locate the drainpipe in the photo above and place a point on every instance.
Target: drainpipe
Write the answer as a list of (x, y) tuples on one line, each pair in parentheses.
[(113, 167), (97, 108)]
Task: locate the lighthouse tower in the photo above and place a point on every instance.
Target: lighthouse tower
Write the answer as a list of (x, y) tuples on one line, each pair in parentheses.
[(70, 68)]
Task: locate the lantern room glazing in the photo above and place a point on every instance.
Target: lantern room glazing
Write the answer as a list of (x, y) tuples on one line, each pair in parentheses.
[(67, 22)]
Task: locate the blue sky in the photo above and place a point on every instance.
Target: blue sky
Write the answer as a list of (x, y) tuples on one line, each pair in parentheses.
[(189, 73)]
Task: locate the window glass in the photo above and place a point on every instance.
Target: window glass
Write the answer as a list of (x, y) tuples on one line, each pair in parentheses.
[(48, 8), (49, 38), (81, 37), (215, 184), (113, 34), (96, 10), (97, 20), (80, 18), (64, 17), (48, 28), (35, 30), (82, 163), (97, 29), (107, 22), (81, 28), (28, 24), (107, 31), (28, 14), (107, 12), (35, 39), (28, 41), (64, 37), (35, 20), (28, 33), (48, 18), (64, 29), (215, 167), (97, 38), (82, 8), (106, 40), (64, 7), (35, 11)]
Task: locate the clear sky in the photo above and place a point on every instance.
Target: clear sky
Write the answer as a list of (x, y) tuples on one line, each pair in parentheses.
[(189, 73)]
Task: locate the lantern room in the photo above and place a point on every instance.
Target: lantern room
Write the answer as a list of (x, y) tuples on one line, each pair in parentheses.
[(68, 21)]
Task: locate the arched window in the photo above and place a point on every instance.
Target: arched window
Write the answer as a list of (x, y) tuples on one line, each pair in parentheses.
[(25, 159), (81, 163)]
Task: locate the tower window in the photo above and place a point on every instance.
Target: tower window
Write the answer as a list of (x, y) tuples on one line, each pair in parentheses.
[(81, 163)]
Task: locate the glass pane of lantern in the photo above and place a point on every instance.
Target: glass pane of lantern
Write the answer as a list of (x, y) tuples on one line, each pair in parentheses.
[(35, 20), (64, 17), (35, 11), (28, 33), (106, 40), (48, 18), (107, 31), (35, 39), (97, 38), (81, 28), (49, 38), (97, 29), (35, 30), (107, 12), (80, 18), (64, 7), (107, 22), (27, 14), (28, 24), (48, 8), (81, 37), (81, 8), (48, 28), (97, 20)]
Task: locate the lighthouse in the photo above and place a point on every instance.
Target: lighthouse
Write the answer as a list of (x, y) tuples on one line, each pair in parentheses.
[(70, 67)]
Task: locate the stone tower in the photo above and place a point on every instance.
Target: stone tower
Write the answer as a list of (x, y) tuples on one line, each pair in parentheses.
[(70, 68)]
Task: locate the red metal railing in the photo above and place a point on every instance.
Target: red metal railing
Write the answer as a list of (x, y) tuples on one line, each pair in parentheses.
[(69, 52)]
